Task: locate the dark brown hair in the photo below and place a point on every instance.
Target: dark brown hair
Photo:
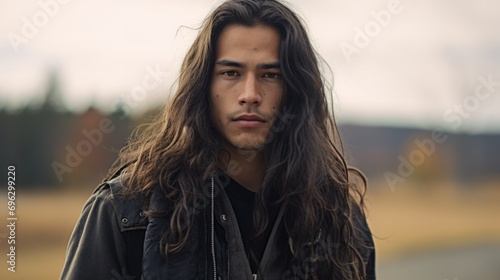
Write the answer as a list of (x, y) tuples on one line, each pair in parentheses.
[(179, 151)]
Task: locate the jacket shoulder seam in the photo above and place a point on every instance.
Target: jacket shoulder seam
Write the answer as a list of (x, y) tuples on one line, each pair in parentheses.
[(129, 211)]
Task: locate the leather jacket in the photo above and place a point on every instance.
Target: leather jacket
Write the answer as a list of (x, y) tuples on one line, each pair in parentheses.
[(113, 239)]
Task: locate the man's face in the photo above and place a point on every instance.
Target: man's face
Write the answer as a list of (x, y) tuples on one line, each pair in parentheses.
[(246, 88)]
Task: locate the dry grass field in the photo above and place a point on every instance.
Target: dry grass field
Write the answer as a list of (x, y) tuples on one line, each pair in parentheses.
[(405, 221), (412, 220)]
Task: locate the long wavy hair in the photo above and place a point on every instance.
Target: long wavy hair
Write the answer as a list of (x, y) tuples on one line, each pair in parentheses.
[(179, 151)]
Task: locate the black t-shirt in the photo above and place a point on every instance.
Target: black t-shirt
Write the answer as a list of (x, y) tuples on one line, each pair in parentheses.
[(243, 201)]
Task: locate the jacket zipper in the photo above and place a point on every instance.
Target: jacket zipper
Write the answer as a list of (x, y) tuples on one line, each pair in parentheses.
[(254, 276)]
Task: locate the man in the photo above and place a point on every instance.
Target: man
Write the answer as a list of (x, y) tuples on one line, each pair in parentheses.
[(241, 177)]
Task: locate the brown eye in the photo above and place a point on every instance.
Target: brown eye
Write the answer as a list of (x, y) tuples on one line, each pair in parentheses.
[(272, 75), (230, 73)]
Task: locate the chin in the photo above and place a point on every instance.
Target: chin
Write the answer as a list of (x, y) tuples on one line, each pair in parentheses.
[(249, 145)]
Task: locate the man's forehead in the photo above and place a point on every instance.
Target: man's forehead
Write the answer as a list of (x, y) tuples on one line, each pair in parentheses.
[(239, 43), (237, 64), (239, 34)]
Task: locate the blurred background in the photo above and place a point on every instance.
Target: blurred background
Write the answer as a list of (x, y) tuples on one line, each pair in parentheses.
[(416, 95)]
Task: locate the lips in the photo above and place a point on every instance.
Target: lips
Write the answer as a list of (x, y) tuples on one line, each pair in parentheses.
[(249, 120)]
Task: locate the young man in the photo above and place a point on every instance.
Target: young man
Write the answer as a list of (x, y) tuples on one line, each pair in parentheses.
[(241, 177)]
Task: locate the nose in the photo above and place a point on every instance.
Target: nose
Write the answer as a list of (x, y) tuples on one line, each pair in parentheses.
[(250, 94)]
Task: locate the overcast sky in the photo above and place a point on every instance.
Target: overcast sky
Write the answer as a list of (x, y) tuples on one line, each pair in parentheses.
[(419, 63)]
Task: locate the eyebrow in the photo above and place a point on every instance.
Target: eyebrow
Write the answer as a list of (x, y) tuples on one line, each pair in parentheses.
[(230, 63)]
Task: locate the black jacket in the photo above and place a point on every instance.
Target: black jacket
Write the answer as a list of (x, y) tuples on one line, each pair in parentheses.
[(114, 240)]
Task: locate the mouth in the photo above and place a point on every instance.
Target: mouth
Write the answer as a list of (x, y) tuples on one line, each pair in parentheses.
[(249, 120), (249, 117)]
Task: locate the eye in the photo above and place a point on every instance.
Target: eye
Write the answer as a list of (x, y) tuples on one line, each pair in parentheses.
[(272, 75), (230, 73)]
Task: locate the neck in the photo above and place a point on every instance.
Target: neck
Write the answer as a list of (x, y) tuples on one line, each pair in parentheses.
[(245, 167)]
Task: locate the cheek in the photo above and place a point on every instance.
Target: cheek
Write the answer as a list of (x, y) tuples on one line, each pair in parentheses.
[(213, 107), (277, 101), (216, 110)]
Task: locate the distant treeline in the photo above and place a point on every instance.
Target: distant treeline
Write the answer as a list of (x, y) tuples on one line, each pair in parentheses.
[(52, 149), (399, 155)]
